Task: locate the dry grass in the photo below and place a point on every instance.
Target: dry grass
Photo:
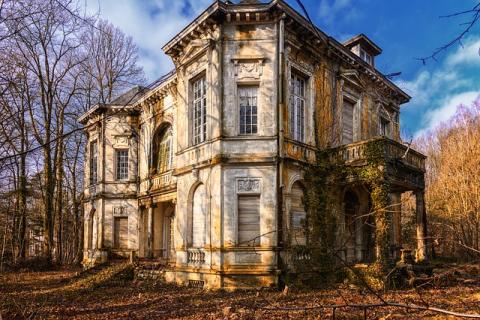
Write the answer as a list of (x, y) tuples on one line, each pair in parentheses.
[(109, 294)]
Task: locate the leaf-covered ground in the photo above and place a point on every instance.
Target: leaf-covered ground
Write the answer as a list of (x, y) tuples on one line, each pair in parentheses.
[(110, 294)]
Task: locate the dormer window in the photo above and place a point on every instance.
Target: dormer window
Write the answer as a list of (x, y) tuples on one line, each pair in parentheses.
[(364, 48), (366, 57)]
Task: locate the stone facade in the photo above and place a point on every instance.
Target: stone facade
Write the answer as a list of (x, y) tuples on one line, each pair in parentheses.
[(212, 184)]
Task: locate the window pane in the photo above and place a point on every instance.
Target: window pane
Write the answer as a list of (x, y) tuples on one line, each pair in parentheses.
[(247, 98), (122, 164), (199, 111), (297, 108), (93, 162)]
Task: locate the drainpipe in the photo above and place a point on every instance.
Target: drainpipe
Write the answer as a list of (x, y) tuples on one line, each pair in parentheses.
[(280, 132)]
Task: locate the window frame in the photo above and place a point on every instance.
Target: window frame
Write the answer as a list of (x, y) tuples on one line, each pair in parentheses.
[(385, 131), (253, 125), (165, 164), (93, 178), (200, 136), (258, 240), (365, 56), (118, 170), (296, 123)]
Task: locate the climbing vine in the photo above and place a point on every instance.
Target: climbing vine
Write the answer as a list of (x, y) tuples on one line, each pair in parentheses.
[(322, 197)]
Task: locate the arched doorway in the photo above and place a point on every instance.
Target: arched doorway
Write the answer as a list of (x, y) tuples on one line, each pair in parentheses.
[(358, 227)]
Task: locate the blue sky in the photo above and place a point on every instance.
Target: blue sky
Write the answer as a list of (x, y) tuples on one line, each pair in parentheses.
[(404, 29)]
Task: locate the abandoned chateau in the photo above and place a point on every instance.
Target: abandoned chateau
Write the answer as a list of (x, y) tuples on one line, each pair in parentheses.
[(205, 171)]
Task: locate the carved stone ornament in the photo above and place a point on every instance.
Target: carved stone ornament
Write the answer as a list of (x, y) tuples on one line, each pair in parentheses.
[(248, 185), (248, 68), (120, 211), (121, 141)]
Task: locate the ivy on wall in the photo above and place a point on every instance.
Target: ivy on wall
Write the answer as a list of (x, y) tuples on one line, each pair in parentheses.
[(324, 182)]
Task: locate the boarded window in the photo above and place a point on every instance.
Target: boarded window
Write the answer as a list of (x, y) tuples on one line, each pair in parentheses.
[(121, 233), (199, 212), (298, 215), (249, 220), (347, 122)]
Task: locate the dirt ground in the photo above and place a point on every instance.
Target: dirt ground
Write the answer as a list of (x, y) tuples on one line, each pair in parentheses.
[(69, 294)]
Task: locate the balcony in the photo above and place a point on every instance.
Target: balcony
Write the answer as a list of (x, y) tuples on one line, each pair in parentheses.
[(354, 154), (162, 180)]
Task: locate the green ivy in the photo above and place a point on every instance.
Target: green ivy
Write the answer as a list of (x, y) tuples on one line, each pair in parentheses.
[(321, 197)]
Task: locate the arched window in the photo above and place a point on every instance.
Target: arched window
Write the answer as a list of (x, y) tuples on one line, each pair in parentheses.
[(199, 212), (298, 214), (163, 150)]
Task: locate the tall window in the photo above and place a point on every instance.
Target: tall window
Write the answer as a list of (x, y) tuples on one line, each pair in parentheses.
[(93, 162), (384, 127), (199, 110), (122, 164), (248, 220), (347, 121), (247, 97), (297, 107), (165, 152)]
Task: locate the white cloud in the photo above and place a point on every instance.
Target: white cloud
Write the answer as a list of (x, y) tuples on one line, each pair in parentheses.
[(437, 93), (151, 24), (329, 10), (469, 54), (446, 109)]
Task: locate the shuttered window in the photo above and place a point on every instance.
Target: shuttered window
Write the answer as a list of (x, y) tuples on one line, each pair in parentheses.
[(298, 215), (347, 122), (121, 233), (165, 152), (249, 220), (199, 212)]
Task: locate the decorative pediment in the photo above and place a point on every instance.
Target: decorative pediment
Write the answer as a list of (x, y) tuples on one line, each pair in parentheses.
[(352, 76), (120, 211), (248, 68)]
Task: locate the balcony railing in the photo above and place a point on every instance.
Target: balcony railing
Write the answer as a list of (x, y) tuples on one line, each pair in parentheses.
[(196, 256), (355, 153), (162, 180)]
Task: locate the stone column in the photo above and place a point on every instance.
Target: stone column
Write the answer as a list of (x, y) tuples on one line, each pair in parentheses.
[(421, 227), (396, 209), (150, 231)]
